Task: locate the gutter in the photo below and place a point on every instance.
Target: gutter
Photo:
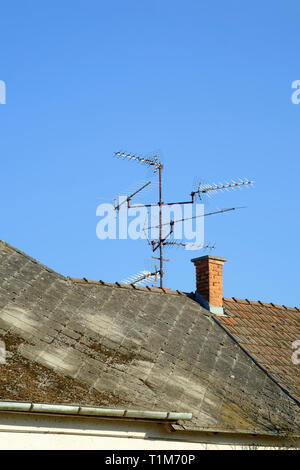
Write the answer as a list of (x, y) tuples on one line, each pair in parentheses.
[(30, 407)]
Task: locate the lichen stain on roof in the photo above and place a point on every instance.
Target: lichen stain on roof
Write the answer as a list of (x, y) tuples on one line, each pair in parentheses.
[(96, 344), (22, 379)]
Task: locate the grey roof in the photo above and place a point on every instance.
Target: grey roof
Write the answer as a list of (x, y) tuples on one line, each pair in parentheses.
[(94, 344)]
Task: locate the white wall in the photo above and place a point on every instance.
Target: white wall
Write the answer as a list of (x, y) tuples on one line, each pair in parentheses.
[(41, 431)]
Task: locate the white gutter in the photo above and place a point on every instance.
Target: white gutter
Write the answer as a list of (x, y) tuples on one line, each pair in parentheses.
[(30, 407)]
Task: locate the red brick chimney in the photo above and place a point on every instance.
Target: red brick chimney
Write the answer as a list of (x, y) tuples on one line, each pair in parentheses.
[(209, 282)]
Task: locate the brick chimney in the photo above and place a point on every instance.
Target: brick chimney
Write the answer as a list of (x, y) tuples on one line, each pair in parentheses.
[(209, 282)]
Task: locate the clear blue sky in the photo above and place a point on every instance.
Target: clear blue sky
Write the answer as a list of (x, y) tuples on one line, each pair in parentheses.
[(205, 84)]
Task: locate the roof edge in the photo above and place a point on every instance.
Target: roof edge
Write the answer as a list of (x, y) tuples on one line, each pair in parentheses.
[(4, 246), (259, 303)]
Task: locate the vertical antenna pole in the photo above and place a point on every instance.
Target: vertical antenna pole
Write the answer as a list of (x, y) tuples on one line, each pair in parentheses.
[(160, 228)]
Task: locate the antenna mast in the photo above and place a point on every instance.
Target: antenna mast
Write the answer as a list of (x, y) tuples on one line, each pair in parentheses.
[(160, 228)]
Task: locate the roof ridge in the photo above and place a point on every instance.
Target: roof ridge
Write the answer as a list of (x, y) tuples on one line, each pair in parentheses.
[(258, 302), (128, 286), (4, 245)]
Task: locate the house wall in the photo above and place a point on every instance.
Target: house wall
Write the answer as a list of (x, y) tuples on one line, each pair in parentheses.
[(40, 431)]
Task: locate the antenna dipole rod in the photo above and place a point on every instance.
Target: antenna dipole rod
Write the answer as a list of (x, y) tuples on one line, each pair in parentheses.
[(197, 216), (117, 207)]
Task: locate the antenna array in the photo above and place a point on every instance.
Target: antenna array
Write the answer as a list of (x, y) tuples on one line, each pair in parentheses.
[(144, 277), (206, 188), (146, 161)]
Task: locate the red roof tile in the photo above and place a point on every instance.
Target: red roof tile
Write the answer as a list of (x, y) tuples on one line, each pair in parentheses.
[(266, 332)]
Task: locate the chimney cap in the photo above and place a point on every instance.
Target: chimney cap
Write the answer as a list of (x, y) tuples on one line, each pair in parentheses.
[(217, 258)]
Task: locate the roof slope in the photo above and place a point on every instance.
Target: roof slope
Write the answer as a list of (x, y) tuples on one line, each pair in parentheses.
[(93, 344), (267, 332)]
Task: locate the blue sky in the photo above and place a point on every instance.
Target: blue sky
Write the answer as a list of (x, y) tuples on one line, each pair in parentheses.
[(206, 85)]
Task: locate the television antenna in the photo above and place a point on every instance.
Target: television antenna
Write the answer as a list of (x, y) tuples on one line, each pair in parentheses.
[(142, 278), (164, 240)]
